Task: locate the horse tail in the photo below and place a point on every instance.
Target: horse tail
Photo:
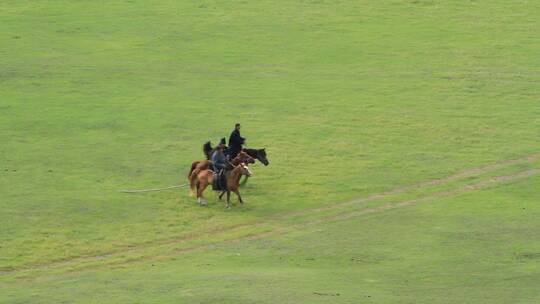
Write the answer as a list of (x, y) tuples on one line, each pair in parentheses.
[(192, 180), (207, 149), (193, 166)]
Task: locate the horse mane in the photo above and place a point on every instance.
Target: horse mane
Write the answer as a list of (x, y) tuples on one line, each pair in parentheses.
[(250, 152), (245, 156), (253, 152)]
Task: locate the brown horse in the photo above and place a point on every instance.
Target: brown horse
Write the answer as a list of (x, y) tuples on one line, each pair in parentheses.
[(199, 165), (232, 177)]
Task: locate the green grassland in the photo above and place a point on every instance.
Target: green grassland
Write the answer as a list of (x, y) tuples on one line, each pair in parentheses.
[(475, 248), (354, 101)]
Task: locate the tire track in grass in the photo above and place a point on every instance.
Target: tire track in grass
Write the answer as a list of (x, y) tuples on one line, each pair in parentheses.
[(490, 182), (133, 248), (430, 183)]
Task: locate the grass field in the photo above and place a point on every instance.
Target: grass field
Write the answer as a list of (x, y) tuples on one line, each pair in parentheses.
[(403, 139)]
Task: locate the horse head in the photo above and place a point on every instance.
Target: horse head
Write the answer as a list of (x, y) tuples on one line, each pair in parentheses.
[(261, 155), (244, 169)]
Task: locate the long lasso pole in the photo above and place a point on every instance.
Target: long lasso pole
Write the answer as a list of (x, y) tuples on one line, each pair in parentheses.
[(151, 190)]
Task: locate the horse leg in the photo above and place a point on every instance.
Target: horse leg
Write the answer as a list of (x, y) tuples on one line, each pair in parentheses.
[(198, 185), (201, 188), (239, 197), (221, 195), (228, 199)]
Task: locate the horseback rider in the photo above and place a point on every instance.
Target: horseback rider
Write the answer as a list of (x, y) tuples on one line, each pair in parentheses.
[(235, 142), (218, 157), (220, 163)]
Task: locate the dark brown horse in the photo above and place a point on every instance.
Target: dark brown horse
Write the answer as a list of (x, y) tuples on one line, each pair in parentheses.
[(259, 154), (205, 177)]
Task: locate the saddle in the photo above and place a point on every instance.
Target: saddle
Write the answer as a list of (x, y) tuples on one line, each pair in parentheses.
[(219, 183)]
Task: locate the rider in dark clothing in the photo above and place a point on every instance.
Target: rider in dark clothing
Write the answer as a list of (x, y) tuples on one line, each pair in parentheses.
[(218, 157), (219, 162), (235, 142)]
